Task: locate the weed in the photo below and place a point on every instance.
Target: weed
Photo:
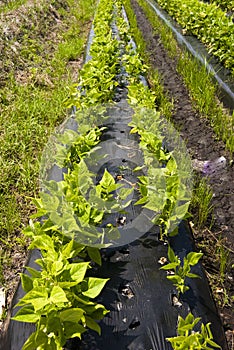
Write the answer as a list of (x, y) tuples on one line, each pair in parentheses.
[(204, 95), (163, 103), (201, 202), (223, 257)]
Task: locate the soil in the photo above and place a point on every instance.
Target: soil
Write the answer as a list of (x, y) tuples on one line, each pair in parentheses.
[(202, 145)]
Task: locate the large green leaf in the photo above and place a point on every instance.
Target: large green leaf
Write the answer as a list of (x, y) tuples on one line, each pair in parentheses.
[(107, 181), (90, 323), (43, 242), (33, 272), (57, 267), (27, 283), (78, 271), (73, 330), (193, 258), (26, 314), (58, 295), (71, 249), (94, 286), (94, 254), (170, 266), (171, 255), (36, 339), (49, 202), (71, 315), (38, 297)]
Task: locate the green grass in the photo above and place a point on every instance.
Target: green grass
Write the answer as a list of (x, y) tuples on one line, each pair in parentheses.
[(201, 203), (12, 5), (223, 259), (204, 96), (32, 105)]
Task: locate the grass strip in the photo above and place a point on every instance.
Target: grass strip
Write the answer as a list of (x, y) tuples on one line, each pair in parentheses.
[(11, 5), (32, 103)]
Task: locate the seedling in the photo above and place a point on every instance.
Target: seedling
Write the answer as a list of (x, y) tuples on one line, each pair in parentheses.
[(190, 339), (179, 271)]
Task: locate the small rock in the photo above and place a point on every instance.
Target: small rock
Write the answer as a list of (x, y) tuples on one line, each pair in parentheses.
[(162, 260), (126, 291), (175, 301)]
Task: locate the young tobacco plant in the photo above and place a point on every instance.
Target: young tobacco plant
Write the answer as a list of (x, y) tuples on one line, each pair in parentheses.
[(180, 271), (189, 339), (59, 297), (76, 206), (72, 147)]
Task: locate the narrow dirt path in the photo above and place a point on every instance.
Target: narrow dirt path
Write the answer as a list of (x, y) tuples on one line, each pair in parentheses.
[(202, 145)]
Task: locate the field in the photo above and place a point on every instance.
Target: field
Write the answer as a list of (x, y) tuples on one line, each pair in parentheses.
[(215, 236), (42, 49)]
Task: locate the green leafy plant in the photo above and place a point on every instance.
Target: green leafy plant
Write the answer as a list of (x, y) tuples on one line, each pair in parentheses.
[(190, 339), (179, 271), (58, 296), (203, 90), (72, 146), (195, 17), (167, 173), (165, 181), (97, 80)]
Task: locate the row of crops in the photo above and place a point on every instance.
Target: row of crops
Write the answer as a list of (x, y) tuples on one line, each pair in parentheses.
[(69, 233), (207, 22), (224, 4), (202, 88)]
